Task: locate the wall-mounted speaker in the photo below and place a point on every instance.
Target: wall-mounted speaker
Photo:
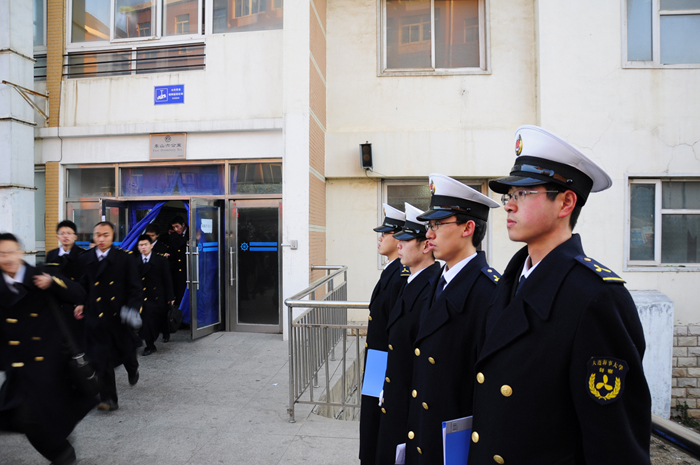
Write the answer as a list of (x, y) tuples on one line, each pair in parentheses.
[(366, 156)]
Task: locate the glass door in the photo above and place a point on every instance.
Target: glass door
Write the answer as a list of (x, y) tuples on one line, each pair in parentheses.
[(117, 213), (204, 258), (255, 265)]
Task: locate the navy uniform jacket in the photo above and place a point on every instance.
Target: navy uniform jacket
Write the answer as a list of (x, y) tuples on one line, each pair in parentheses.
[(177, 248), (110, 284), (445, 351), (157, 292), (559, 378), (383, 299), (32, 358), (402, 331), (68, 264)]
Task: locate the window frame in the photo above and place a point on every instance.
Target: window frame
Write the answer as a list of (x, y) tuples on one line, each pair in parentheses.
[(383, 197), (484, 46), (656, 14), (656, 264)]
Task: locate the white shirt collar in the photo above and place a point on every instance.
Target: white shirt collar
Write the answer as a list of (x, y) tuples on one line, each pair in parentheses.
[(101, 253), (62, 251), (387, 265), (454, 271), (19, 277), (528, 268), (147, 257), (413, 275)]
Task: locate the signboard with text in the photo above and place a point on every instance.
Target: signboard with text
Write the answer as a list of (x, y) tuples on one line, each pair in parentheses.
[(168, 146), (165, 95)]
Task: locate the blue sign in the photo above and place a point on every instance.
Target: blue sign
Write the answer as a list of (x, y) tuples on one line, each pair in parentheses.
[(165, 95)]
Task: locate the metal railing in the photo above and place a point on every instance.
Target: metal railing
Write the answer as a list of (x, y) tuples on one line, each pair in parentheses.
[(314, 335)]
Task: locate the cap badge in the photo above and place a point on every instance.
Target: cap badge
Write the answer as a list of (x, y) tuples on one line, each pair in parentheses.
[(519, 145), (432, 188)]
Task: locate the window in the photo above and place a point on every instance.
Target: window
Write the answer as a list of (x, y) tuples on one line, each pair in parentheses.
[(433, 37), (256, 178), (90, 182), (662, 33), (247, 15), (40, 213), (664, 222), (40, 24)]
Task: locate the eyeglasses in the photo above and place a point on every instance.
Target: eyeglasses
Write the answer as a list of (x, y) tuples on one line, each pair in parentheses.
[(65, 234), (388, 233), (518, 195), (436, 225)]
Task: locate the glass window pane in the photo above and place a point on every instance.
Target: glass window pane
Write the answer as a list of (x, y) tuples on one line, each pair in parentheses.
[(181, 58), (639, 30), (92, 64), (642, 217), (91, 182), (679, 238), (256, 178), (38, 22), (180, 17), (173, 180), (417, 195), (407, 44), (133, 18), (680, 4), (247, 15), (39, 205), (40, 68), (681, 195), (457, 34), (85, 215), (90, 20), (680, 39)]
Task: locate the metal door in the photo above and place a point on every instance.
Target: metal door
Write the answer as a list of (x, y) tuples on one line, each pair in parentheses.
[(255, 266), (204, 260)]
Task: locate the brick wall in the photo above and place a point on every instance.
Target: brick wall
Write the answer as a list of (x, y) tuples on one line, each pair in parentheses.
[(685, 384), (52, 207), (55, 40)]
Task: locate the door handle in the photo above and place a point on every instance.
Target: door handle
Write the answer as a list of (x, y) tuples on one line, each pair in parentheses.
[(196, 267), (187, 265), (230, 265)]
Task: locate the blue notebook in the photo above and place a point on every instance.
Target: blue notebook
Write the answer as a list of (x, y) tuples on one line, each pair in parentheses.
[(456, 436), (375, 370)]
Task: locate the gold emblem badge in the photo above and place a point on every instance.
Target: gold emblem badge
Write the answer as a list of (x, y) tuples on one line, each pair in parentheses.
[(432, 188), (606, 379), (519, 145)]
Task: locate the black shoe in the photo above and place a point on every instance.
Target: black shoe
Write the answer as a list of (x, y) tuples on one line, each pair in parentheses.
[(166, 337), (108, 405), (134, 377), (149, 351), (67, 457)]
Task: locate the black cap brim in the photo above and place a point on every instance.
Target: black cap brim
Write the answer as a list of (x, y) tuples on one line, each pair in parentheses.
[(407, 236), (436, 215), (503, 185), (385, 229)]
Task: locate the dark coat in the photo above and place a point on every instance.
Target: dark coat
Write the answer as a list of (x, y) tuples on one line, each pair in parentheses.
[(538, 400), (160, 247), (444, 357), (177, 248), (157, 292), (69, 267), (402, 331), (383, 299), (31, 355), (110, 284)]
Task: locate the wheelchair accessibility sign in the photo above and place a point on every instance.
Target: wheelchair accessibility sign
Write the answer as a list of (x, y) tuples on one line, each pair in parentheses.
[(165, 95)]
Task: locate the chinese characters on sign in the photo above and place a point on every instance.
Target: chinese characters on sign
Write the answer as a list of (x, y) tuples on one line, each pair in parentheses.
[(165, 95), (167, 146)]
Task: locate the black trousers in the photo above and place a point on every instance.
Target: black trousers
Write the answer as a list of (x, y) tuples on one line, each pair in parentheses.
[(108, 382), (22, 420)]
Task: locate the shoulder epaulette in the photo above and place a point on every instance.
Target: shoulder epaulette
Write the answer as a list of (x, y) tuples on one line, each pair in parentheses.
[(605, 274), (491, 273), (405, 271), (51, 264)]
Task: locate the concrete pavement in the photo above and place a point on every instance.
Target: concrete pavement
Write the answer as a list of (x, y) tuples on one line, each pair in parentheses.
[(218, 400)]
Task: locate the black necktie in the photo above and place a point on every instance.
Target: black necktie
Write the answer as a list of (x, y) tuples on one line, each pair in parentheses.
[(145, 260), (440, 286), (520, 284), (100, 257)]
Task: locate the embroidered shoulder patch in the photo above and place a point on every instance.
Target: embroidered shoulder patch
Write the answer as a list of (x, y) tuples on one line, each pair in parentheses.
[(606, 379), (605, 274), (493, 275), (51, 264), (405, 271)]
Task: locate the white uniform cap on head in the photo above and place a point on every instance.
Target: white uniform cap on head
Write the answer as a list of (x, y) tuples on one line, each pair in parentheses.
[(533, 141), (449, 197), (412, 214), (393, 213)]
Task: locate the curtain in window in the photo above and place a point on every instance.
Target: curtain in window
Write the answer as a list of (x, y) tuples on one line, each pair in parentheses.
[(131, 239)]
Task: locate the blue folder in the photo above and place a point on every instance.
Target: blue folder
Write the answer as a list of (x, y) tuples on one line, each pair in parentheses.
[(375, 370), (456, 435)]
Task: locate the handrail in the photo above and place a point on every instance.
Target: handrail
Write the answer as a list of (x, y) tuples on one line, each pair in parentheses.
[(313, 336)]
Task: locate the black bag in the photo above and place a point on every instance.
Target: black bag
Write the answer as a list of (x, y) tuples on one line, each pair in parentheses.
[(174, 318), (81, 372)]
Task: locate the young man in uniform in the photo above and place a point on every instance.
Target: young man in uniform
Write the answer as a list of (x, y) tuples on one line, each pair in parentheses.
[(159, 246), (112, 281), (383, 299), (559, 377), (158, 292), (66, 258), (445, 349), (416, 254), (178, 259)]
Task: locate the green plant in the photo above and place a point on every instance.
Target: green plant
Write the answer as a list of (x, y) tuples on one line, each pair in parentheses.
[(684, 418)]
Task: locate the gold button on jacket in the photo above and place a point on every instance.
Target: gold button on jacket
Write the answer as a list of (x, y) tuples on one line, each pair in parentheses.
[(480, 378), (387, 379), (417, 351), (411, 435), (506, 390), (431, 360), (414, 393), (498, 459), (475, 437)]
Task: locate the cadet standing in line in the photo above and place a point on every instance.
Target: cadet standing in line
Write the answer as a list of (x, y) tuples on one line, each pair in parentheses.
[(37, 398), (559, 377), (446, 346), (111, 279), (66, 257), (157, 292), (383, 299), (402, 329)]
